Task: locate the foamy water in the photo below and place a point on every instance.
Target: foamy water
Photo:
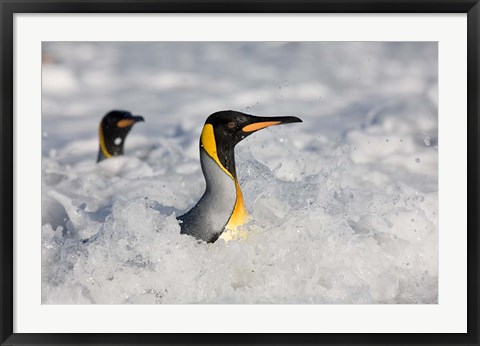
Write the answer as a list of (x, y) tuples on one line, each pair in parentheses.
[(344, 206)]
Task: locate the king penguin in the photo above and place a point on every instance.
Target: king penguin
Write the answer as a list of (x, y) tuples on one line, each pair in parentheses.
[(112, 132), (221, 207)]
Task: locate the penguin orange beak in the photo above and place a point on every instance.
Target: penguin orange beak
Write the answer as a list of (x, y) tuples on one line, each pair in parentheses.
[(130, 121), (259, 123)]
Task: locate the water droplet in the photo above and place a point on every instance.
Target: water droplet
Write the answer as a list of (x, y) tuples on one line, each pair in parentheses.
[(286, 83), (417, 160), (52, 153), (117, 141), (426, 140), (45, 134), (387, 140), (279, 87), (248, 109)]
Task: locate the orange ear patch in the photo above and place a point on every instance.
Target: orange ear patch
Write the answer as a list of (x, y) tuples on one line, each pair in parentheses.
[(259, 126), (125, 123), (210, 146), (102, 142)]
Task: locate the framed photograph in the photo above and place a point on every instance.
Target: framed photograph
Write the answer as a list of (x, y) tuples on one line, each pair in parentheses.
[(239, 172)]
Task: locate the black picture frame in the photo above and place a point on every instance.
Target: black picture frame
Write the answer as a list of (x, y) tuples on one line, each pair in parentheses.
[(10, 7)]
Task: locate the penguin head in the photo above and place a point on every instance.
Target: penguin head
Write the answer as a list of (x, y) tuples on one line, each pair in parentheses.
[(223, 130), (114, 127), (231, 127)]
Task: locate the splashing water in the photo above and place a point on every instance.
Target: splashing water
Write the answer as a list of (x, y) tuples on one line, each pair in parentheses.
[(338, 214)]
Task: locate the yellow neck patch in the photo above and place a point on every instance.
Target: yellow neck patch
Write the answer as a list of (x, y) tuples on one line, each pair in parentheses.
[(103, 148), (233, 229), (239, 215)]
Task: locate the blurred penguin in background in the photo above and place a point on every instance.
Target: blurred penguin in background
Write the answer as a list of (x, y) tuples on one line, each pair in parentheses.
[(112, 132)]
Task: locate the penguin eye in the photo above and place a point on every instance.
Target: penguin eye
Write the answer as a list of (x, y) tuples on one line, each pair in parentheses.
[(232, 125)]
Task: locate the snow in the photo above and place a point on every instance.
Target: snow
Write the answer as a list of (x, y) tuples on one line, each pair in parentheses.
[(344, 206)]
